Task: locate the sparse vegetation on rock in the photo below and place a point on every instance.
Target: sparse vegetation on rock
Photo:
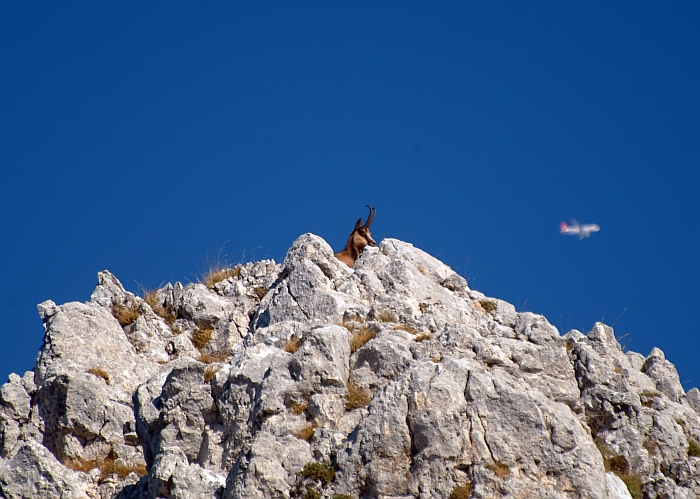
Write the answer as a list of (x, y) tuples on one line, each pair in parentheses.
[(404, 387), (126, 315)]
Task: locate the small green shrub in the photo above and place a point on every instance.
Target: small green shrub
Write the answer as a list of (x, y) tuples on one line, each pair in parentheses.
[(325, 473), (311, 493), (634, 485), (487, 305), (693, 448), (620, 466), (341, 496)]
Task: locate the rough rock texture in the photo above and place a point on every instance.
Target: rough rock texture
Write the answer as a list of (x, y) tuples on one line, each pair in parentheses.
[(311, 379)]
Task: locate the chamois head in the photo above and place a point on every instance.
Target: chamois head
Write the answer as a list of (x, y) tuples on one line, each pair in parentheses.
[(360, 237)]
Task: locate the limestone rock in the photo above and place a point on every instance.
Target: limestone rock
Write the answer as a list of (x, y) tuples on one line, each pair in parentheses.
[(84, 336), (33, 472), (310, 379)]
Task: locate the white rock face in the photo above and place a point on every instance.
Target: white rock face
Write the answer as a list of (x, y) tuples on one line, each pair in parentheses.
[(311, 379)]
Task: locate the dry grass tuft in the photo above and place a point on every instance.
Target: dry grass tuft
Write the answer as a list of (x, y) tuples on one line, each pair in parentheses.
[(647, 397), (100, 373), (219, 272), (293, 344), (347, 326), (617, 464), (169, 316), (260, 292), (620, 466), (359, 338), (356, 397), (213, 358), (462, 491), (298, 407), (408, 328), (108, 466), (386, 317), (151, 297), (423, 337), (487, 305), (306, 433), (501, 470), (210, 372), (634, 485), (125, 314), (201, 336), (651, 446)]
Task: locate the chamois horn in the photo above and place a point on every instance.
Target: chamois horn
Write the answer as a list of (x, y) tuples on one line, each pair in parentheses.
[(372, 212)]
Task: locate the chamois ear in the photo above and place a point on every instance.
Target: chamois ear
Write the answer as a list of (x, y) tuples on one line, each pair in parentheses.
[(358, 224)]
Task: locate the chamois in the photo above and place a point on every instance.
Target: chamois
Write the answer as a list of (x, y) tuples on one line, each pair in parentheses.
[(360, 237)]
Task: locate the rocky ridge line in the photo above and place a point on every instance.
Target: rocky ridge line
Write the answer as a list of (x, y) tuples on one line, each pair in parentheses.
[(311, 379)]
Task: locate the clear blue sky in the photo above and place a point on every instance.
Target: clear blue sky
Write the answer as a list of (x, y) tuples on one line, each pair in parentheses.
[(143, 138)]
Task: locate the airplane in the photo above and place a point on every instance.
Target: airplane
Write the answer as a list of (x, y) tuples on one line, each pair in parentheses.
[(576, 229)]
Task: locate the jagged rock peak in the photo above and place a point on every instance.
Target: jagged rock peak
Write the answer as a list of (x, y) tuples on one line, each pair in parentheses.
[(311, 379)]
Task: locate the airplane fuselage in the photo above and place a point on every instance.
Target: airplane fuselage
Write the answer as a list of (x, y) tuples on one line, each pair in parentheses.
[(576, 229)]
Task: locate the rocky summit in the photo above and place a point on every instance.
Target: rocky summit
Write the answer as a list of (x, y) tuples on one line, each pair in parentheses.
[(309, 379)]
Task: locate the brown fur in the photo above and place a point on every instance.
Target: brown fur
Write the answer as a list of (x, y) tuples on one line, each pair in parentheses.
[(359, 239)]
